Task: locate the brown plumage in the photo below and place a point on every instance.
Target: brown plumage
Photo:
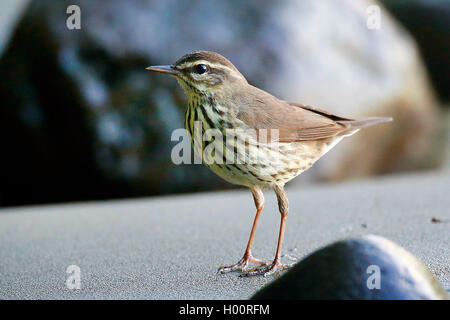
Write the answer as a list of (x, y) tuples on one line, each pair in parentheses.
[(220, 98), (296, 122)]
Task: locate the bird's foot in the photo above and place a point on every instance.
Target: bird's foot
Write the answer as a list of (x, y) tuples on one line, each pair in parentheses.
[(241, 265), (266, 270)]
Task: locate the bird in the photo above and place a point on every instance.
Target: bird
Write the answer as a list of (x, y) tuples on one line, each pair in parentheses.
[(273, 140)]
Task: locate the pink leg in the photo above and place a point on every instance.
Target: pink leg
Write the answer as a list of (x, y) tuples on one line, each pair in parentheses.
[(276, 263), (247, 258)]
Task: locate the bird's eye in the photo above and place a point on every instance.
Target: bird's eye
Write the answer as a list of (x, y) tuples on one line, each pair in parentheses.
[(200, 68)]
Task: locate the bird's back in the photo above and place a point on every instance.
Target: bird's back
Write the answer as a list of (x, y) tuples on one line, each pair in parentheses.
[(295, 122)]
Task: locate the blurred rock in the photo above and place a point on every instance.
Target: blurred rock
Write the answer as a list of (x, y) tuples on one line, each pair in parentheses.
[(82, 119), (10, 12), (429, 23), (346, 269)]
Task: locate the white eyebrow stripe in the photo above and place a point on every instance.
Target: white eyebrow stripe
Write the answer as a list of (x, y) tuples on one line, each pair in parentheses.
[(211, 65), (185, 65)]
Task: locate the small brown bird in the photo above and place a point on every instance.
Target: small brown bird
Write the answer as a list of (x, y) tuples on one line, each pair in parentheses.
[(285, 138)]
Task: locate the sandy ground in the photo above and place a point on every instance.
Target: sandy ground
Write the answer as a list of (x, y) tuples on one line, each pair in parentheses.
[(170, 247)]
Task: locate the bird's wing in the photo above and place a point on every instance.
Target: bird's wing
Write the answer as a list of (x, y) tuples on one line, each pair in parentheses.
[(295, 122)]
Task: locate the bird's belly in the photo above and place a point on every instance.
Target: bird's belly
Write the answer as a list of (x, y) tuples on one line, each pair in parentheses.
[(264, 165), (297, 157)]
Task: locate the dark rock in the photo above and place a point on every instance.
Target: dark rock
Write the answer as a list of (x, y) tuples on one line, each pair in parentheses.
[(80, 118), (346, 270)]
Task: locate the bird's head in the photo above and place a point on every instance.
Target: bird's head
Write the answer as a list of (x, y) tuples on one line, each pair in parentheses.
[(203, 73)]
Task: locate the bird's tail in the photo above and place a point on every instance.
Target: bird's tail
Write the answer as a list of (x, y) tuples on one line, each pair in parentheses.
[(364, 122)]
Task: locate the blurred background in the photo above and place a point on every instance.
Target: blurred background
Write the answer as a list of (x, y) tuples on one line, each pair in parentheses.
[(80, 118)]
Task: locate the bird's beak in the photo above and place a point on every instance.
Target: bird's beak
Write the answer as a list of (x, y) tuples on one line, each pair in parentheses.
[(164, 69)]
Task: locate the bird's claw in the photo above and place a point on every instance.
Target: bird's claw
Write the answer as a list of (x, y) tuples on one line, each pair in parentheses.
[(241, 265), (266, 270)]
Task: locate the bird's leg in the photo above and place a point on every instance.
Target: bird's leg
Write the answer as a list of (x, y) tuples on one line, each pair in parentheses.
[(276, 265), (243, 263)]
